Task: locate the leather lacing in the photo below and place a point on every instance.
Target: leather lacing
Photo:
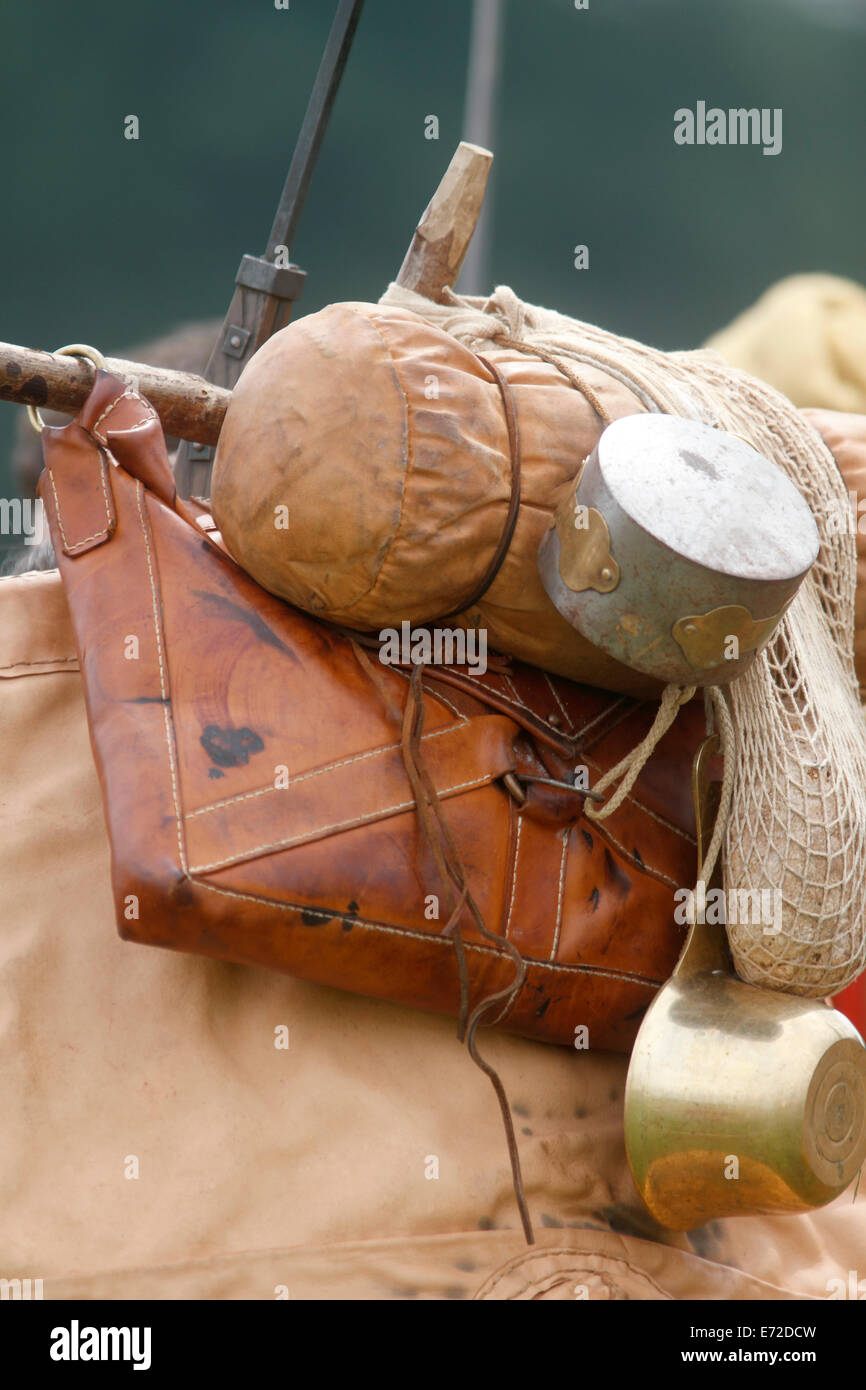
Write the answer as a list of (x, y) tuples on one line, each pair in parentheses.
[(514, 459), (458, 897), (514, 456)]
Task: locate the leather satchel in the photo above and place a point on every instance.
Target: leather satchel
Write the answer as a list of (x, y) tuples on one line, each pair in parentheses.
[(275, 795)]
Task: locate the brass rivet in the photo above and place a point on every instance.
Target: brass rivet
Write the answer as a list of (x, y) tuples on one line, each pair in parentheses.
[(607, 575)]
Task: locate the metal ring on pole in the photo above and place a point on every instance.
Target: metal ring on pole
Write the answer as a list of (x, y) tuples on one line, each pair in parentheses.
[(71, 350)]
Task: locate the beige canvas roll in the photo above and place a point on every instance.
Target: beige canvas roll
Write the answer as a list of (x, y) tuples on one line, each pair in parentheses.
[(806, 336)]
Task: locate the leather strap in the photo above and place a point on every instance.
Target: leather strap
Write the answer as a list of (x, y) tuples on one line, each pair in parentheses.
[(514, 504)]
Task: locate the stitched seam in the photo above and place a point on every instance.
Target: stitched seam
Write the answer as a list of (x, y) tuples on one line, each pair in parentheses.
[(616, 721), (579, 733), (517, 700), (514, 876), (139, 490), (623, 976), (68, 545), (564, 712), (316, 772), (668, 825), (128, 394), (435, 695), (39, 661), (174, 790), (641, 865), (378, 814), (515, 704), (158, 631), (584, 1256), (565, 841)]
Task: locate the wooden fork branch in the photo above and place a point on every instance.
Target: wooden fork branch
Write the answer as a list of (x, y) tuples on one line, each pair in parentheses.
[(188, 406)]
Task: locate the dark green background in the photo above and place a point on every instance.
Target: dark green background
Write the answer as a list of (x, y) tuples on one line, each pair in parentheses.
[(108, 241)]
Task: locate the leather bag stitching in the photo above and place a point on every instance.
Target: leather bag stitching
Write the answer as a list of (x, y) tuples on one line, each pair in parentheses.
[(71, 546), (566, 838), (379, 814), (128, 394), (513, 892), (414, 933), (314, 772)]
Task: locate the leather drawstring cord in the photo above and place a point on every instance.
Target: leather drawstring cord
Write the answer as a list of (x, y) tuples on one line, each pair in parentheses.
[(447, 857), (513, 502), (514, 453), (451, 871), (551, 357)]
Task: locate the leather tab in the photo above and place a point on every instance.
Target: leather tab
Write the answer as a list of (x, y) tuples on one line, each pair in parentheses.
[(127, 425), (76, 489)]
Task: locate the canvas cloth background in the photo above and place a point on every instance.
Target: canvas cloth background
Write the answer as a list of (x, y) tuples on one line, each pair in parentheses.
[(806, 336), (301, 1168)]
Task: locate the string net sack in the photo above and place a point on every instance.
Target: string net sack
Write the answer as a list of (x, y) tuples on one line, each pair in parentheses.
[(793, 830)]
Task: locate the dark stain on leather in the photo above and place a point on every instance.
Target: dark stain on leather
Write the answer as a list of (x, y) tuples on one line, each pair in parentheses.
[(542, 1009), (594, 898), (252, 620), (551, 1221), (215, 772), (13, 369), (230, 747), (150, 700), (617, 876), (520, 1109), (526, 1130), (637, 854), (312, 917), (180, 892), (587, 837)]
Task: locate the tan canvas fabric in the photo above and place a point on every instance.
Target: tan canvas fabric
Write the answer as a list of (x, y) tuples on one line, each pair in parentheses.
[(806, 336), (302, 1171)]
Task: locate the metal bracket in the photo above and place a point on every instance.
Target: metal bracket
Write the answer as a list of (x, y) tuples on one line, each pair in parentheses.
[(235, 341), (277, 281)]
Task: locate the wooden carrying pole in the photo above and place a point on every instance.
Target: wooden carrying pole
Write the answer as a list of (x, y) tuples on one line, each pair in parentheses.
[(190, 407)]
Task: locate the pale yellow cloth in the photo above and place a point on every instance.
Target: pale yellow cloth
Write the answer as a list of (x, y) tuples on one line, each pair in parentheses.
[(807, 337), (302, 1171)]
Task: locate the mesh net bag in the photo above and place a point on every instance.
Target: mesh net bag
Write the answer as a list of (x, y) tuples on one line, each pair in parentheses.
[(796, 826)]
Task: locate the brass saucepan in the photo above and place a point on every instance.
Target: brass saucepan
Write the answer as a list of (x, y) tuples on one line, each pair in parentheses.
[(739, 1100)]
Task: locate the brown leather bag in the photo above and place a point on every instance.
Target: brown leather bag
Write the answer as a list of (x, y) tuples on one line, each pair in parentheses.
[(276, 796)]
